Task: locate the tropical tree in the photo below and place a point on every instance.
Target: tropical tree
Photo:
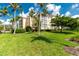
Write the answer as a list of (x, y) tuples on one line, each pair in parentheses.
[(60, 22), (43, 10), (65, 21), (20, 11), (77, 19), (4, 12), (37, 18), (41, 6), (73, 23), (31, 14), (55, 21), (16, 18), (15, 7)]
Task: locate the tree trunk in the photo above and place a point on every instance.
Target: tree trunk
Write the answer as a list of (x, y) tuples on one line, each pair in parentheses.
[(61, 29), (39, 25), (14, 23), (4, 28)]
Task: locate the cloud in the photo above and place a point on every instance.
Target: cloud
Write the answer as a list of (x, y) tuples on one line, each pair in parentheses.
[(75, 6), (1, 20), (8, 20), (62, 14), (31, 8), (54, 8), (27, 13), (6, 23), (55, 13), (57, 8), (24, 14), (50, 7), (67, 13), (75, 16)]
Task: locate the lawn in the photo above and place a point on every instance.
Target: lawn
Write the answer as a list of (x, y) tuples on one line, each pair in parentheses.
[(29, 44)]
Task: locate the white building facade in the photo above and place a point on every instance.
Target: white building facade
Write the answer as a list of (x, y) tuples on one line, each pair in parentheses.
[(45, 21)]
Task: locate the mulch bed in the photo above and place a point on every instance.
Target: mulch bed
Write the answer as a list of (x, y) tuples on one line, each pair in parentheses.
[(72, 50), (73, 40)]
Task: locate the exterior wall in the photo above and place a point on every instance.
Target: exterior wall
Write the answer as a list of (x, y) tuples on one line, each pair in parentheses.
[(45, 22), (29, 21), (49, 23), (26, 21)]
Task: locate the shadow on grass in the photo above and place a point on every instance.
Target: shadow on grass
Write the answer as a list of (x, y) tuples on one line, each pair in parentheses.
[(48, 40), (42, 38), (64, 32)]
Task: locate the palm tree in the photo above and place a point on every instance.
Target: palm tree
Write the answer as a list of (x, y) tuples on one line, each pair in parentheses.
[(4, 12), (15, 7), (43, 9), (20, 11), (31, 14), (45, 12), (41, 5), (16, 18)]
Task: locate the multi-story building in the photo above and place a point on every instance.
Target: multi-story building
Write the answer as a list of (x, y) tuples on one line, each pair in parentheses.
[(46, 22), (26, 20)]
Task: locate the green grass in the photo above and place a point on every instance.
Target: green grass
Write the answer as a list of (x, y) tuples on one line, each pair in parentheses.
[(29, 44)]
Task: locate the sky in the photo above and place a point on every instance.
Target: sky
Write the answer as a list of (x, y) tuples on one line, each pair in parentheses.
[(67, 9)]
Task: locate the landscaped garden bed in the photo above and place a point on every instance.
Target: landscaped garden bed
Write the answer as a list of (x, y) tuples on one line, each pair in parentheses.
[(72, 50), (74, 39)]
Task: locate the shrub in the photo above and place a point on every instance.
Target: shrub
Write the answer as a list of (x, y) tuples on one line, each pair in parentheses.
[(35, 29), (1, 27), (75, 38), (49, 30), (29, 29), (12, 30), (18, 31)]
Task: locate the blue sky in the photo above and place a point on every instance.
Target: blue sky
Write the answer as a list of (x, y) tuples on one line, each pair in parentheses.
[(60, 8)]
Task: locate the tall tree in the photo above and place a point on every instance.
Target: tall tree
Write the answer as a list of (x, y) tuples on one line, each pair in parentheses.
[(15, 7), (16, 18), (20, 17), (59, 21), (41, 6), (43, 10), (4, 12), (31, 14)]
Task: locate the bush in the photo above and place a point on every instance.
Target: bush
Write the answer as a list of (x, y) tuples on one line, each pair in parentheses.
[(29, 29), (35, 29), (1, 27), (18, 31), (12, 30)]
